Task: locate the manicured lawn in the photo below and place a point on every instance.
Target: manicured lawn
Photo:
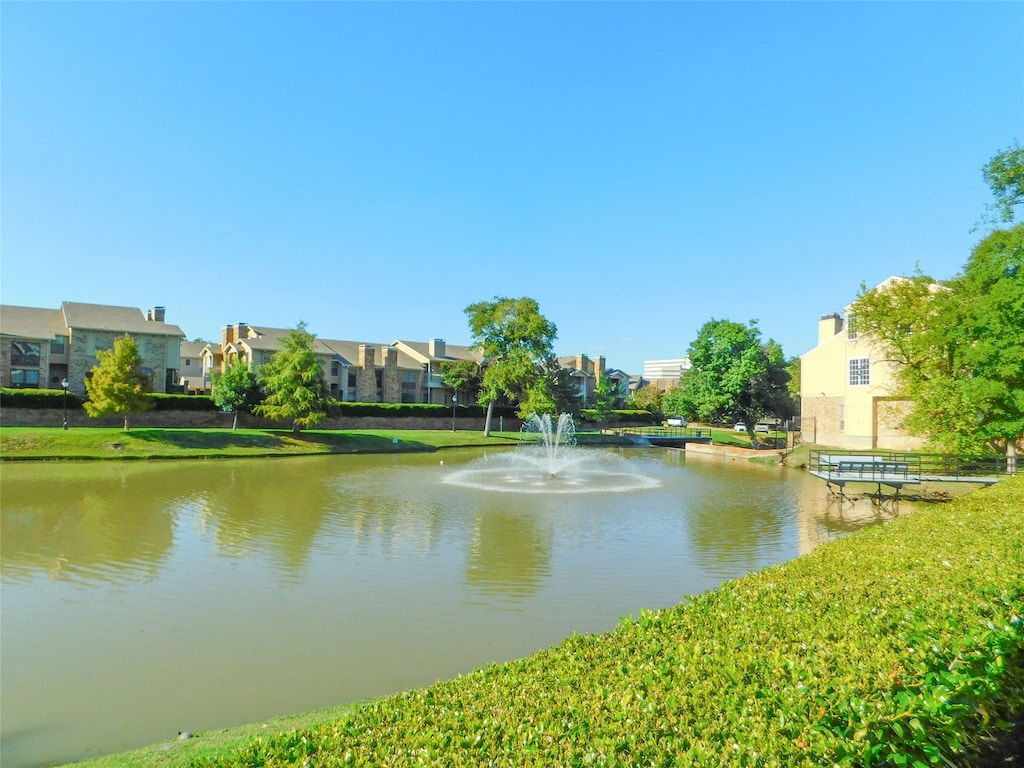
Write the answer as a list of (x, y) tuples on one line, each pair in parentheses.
[(113, 443), (902, 644)]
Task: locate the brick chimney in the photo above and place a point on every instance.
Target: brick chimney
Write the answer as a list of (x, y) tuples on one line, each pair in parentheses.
[(156, 315), (436, 347)]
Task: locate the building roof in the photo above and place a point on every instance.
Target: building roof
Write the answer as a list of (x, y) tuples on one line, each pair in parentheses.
[(31, 322), (100, 317), (192, 348), (452, 352)]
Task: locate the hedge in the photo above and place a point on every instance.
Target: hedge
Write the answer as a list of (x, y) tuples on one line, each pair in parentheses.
[(899, 645), (418, 410), (37, 398)]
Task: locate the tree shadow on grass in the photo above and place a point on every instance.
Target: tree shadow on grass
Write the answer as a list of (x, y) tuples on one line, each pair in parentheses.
[(202, 439), (347, 443)]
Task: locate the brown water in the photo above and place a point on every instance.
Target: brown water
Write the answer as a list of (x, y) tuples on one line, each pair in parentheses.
[(139, 600)]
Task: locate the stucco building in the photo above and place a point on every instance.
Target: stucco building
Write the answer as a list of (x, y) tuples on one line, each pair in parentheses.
[(846, 391)]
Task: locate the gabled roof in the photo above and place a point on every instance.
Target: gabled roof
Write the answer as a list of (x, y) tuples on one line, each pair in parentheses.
[(100, 317), (31, 322), (452, 352), (192, 348)]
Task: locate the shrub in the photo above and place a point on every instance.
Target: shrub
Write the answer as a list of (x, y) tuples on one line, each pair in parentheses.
[(38, 398), (338, 408), (162, 402)]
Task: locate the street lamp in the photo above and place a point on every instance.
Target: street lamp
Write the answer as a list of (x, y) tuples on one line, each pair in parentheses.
[(455, 402), (64, 385)]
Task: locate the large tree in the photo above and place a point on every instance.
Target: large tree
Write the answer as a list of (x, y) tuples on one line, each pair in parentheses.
[(516, 340), (294, 382), (462, 377), (733, 377), (116, 383), (237, 390), (958, 347)]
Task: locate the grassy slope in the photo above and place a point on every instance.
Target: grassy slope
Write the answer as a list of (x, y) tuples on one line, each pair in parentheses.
[(37, 443), (902, 644)]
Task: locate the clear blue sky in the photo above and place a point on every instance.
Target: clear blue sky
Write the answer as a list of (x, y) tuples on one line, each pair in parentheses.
[(373, 168)]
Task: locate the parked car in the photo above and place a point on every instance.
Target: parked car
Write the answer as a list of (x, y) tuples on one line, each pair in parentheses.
[(739, 427), (762, 427), (676, 421)]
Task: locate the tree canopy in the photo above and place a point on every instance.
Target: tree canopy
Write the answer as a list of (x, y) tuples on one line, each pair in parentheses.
[(293, 382), (116, 383), (1004, 175), (733, 376), (516, 340), (237, 390)]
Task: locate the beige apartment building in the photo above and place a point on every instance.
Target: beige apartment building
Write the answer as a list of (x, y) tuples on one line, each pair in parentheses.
[(40, 348), (846, 391)]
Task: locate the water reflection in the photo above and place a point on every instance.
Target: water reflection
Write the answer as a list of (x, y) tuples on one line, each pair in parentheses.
[(112, 526), (509, 553)]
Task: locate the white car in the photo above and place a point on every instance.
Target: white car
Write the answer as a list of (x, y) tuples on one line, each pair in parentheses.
[(676, 421), (739, 426)]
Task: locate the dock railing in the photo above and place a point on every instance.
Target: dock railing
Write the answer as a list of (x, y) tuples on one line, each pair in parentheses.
[(838, 464)]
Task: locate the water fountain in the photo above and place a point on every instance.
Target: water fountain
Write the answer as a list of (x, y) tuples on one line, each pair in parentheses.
[(552, 463)]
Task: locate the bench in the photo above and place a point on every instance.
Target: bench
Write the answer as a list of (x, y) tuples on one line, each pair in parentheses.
[(874, 467)]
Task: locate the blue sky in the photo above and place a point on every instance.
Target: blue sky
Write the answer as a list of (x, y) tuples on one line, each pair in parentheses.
[(372, 168)]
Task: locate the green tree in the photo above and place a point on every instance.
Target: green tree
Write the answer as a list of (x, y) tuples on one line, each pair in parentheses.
[(958, 347), (648, 398), (516, 340), (734, 376), (606, 397), (293, 382), (462, 377), (1004, 175), (116, 383), (237, 390)]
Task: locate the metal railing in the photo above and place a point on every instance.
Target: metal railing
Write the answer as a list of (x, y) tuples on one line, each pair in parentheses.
[(938, 466)]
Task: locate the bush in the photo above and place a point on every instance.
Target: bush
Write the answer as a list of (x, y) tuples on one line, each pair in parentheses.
[(38, 398), (338, 409), (162, 402), (631, 415)]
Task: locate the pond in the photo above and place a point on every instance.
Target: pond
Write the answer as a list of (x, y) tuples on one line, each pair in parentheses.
[(143, 599)]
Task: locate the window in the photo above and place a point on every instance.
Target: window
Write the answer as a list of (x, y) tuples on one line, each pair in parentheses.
[(25, 378), (187, 362), (351, 378), (410, 381), (851, 326), (860, 372), (25, 353), (58, 345), (335, 368)]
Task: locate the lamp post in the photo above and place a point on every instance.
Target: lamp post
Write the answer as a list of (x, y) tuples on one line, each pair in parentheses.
[(455, 402), (64, 385)]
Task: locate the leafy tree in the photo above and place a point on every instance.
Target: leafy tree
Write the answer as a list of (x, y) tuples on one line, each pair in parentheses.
[(116, 383), (237, 390), (734, 376), (294, 382), (793, 385), (648, 398), (461, 376), (958, 347), (1004, 175), (606, 397), (516, 340)]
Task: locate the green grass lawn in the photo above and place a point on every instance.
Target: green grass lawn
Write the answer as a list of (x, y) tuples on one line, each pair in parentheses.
[(26, 443)]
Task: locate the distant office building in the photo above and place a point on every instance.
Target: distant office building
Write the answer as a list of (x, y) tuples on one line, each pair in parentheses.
[(665, 374)]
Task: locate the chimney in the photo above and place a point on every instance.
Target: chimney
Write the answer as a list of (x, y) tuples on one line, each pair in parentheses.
[(829, 326), (366, 356), (156, 315), (436, 347), (599, 367), (581, 363)]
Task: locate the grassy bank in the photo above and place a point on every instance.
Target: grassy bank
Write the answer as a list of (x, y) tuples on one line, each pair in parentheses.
[(899, 645), (45, 443)]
